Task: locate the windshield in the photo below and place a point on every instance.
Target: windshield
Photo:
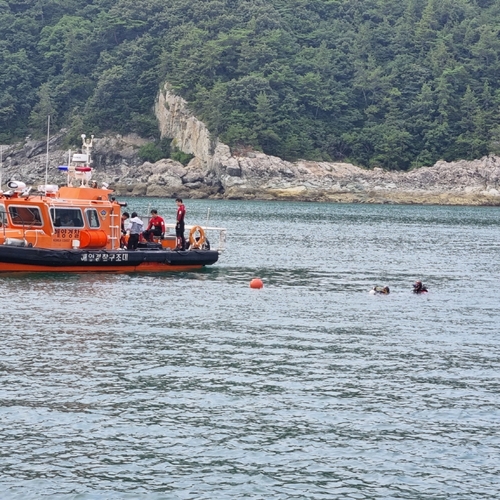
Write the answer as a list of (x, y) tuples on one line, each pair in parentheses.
[(25, 216)]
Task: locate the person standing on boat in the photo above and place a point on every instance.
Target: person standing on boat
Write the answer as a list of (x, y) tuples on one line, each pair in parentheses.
[(136, 227), (156, 226), (179, 225), (123, 240)]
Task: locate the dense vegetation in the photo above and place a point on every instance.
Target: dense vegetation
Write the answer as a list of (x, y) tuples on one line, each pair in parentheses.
[(394, 83)]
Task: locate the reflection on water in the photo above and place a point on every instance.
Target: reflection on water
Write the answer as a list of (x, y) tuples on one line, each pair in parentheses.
[(193, 385)]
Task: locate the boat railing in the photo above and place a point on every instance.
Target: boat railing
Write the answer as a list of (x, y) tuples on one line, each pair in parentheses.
[(211, 232), (25, 225), (21, 231)]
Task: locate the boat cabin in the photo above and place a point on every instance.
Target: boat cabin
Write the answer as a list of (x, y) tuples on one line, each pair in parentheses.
[(69, 217)]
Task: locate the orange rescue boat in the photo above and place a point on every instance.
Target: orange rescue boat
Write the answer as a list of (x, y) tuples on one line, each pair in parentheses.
[(77, 228)]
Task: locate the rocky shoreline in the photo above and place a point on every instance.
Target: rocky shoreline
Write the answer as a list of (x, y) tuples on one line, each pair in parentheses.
[(260, 177), (216, 172)]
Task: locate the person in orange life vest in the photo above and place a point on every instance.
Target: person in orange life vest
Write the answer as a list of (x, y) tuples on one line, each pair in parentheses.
[(123, 240), (179, 225), (156, 226)]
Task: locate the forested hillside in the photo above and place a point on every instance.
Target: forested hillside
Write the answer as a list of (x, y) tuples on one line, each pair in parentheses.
[(392, 83)]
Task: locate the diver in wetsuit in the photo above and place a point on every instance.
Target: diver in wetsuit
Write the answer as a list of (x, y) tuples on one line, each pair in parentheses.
[(419, 287)]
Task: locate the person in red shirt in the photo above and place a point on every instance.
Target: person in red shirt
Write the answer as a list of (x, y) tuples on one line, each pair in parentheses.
[(179, 225), (156, 226)]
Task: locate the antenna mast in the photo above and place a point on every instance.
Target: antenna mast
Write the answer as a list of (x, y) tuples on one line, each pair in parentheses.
[(47, 160)]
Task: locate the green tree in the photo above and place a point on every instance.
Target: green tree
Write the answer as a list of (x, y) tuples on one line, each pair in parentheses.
[(397, 83), (41, 111)]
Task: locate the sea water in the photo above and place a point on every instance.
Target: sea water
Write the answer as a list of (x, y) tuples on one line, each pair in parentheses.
[(195, 386)]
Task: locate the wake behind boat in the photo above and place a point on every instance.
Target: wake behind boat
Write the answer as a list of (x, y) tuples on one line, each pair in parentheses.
[(77, 228)]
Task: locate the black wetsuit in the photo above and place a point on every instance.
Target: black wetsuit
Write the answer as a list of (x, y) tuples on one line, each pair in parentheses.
[(179, 227)]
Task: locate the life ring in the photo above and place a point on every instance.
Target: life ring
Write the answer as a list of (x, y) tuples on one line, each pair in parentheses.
[(193, 240)]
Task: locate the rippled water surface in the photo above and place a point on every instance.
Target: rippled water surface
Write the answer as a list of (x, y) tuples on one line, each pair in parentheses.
[(194, 386)]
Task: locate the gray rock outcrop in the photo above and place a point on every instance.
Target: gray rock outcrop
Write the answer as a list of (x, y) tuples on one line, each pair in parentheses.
[(462, 182)]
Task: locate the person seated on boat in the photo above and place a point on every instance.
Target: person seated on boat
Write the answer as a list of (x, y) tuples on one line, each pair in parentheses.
[(93, 184), (135, 230), (156, 226), (65, 220), (380, 290), (419, 287)]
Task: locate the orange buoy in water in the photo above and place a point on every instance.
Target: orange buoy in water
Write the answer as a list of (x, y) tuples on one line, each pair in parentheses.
[(256, 283)]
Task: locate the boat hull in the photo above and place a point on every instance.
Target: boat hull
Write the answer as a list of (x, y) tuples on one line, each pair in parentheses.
[(26, 259)]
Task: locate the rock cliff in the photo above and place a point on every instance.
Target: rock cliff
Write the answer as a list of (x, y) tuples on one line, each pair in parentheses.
[(215, 172)]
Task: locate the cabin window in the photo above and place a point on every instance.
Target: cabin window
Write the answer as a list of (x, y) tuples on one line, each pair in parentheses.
[(92, 218), (25, 216), (67, 217)]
